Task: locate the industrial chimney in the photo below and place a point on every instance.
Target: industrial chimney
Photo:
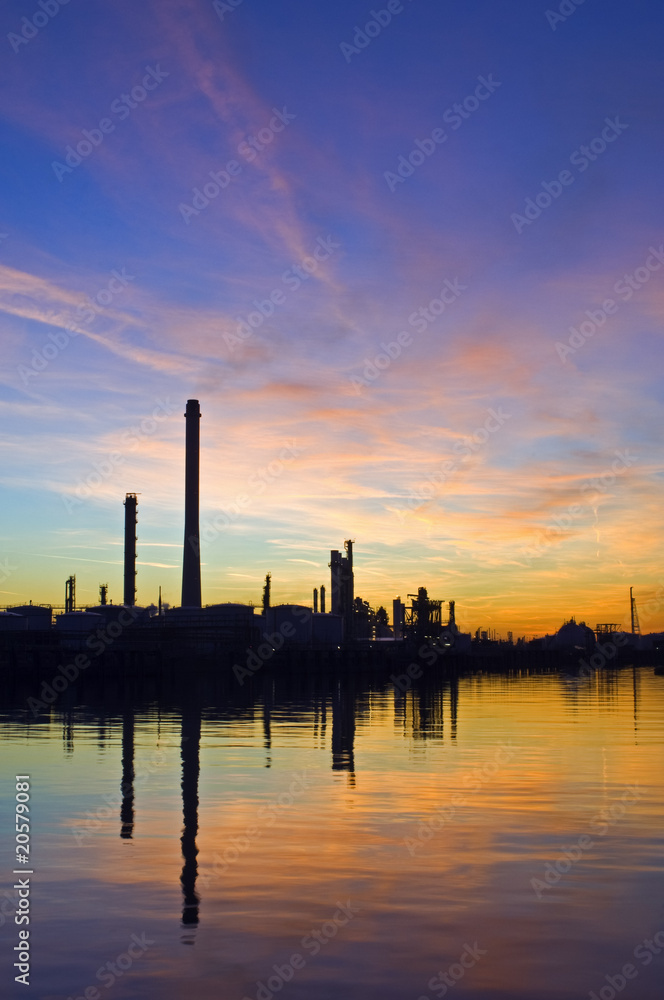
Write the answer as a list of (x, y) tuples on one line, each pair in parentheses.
[(191, 563), (266, 594), (130, 506)]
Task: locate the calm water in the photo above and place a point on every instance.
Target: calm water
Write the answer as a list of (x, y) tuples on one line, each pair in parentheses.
[(363, 844)]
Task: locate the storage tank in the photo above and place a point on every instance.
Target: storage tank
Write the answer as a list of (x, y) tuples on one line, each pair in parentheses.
[(213, 614), (573, 636), (228, 612), (11, 622), (231, 622), (328, 629), (78, 621), (297, 619), (112, 612), (38, 617)]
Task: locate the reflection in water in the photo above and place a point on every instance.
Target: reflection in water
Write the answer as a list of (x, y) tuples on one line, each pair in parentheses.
[(68, 733), (440, 843), (635, 689), (268, 699), (101, 732), (319, 721), (419, 711), (127, 807), (190, 753), (428, 718), (454, 704), (343, 729)]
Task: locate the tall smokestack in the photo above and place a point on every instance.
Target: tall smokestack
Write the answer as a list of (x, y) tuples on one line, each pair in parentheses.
[(191, 563), (130, 506)]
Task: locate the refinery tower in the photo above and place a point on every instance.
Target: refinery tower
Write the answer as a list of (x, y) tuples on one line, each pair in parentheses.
[(191, 561)]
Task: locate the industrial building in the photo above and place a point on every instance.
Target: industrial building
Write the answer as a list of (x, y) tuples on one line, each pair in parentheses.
[(350, 621)]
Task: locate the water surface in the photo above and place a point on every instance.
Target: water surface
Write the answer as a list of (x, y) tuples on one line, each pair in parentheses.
[(360, 841)]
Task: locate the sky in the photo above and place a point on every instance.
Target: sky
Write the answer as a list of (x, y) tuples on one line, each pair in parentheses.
[(409, 258)]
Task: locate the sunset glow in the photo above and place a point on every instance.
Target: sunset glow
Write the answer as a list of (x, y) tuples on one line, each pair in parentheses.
[(417, 286)]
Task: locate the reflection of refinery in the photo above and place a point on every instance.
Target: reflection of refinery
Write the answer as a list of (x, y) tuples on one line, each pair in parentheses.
[(350, 622)]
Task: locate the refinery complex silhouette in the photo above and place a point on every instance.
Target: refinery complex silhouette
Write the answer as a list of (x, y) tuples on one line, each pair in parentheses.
[(350, 622)]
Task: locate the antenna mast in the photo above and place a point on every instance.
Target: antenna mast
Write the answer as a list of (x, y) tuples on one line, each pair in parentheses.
[(636, 627)]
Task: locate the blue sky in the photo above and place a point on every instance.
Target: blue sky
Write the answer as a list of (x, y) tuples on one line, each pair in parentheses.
[(369, 438)]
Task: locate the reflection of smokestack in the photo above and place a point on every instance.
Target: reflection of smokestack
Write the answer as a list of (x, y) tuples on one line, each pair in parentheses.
[(454, 705), (190, 753), (267, 727), (127, 807), (191, 563), (343, 731), (130, 506)]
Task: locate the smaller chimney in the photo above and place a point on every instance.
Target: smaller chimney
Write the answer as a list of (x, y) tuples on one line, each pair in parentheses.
[(322, 600), (70, 594), (266, 594), (315, 600), (398, 612)]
